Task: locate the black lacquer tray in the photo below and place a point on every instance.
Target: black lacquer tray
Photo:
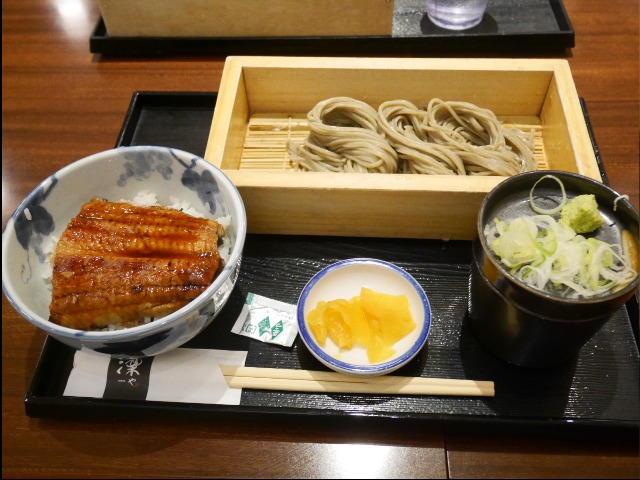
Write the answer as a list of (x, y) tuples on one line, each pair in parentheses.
[(508, 26), (596, 393)]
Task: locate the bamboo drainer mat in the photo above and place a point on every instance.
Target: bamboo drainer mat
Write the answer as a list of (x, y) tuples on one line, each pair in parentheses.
[(265, 144), (334, 382)]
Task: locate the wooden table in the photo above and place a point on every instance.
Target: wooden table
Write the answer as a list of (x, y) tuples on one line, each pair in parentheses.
[(61, 103)]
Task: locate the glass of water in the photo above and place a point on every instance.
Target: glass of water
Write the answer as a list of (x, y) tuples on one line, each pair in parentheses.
[(456, 14)]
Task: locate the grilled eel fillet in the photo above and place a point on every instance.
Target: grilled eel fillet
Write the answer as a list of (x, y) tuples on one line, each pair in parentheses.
[(116, 263)]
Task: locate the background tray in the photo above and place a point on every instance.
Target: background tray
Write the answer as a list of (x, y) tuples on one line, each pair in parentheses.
[(595, 394), (508, 26)]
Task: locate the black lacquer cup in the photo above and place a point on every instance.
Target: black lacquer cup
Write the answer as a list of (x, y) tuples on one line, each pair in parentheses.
[(518, 323)]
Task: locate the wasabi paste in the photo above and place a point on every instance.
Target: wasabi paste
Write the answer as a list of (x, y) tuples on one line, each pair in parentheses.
[(581, 214)]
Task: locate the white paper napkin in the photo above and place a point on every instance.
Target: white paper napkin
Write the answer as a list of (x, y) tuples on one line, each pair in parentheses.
[(182, 375)]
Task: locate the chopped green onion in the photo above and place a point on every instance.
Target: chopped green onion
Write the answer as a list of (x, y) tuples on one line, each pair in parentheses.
[(617, 199), (551, 211), (555, 259), (550, 256)]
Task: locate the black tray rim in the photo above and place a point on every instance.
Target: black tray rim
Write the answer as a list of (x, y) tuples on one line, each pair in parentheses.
[(564, 38), (38, 405), (97, 409)]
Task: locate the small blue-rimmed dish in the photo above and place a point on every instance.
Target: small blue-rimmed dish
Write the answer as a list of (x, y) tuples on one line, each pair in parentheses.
[(344, 280)]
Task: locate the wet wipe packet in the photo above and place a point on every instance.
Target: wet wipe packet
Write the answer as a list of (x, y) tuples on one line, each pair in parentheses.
[(267, 320)]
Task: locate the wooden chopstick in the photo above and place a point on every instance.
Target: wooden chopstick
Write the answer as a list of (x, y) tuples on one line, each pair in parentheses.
[(333, 382)]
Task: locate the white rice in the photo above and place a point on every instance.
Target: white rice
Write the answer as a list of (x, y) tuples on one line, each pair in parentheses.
[(48, 247)]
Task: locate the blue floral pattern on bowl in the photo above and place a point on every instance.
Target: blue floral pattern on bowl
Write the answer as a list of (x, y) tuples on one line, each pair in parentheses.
[(119, 174)]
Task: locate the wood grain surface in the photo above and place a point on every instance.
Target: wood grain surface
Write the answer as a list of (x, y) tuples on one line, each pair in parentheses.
[(61, 103)]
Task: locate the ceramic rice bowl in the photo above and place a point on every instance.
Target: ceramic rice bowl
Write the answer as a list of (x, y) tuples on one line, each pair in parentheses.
[(120, 174)]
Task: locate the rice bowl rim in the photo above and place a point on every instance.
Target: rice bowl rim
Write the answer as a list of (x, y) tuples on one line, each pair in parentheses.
[(239, 224)]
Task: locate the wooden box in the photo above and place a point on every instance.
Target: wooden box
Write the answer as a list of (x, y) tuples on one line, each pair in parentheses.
[(246, 18), (263, 102)]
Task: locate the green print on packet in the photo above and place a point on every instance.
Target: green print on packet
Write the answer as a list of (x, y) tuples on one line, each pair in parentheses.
[(265, 327), (267, 320)]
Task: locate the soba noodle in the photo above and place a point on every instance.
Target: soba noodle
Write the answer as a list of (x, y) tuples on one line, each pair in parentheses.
[(344, 136), (443, 138)]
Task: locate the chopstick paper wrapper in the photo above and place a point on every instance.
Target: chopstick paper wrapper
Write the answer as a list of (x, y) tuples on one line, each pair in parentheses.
[(333, 382), (186, 375)]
